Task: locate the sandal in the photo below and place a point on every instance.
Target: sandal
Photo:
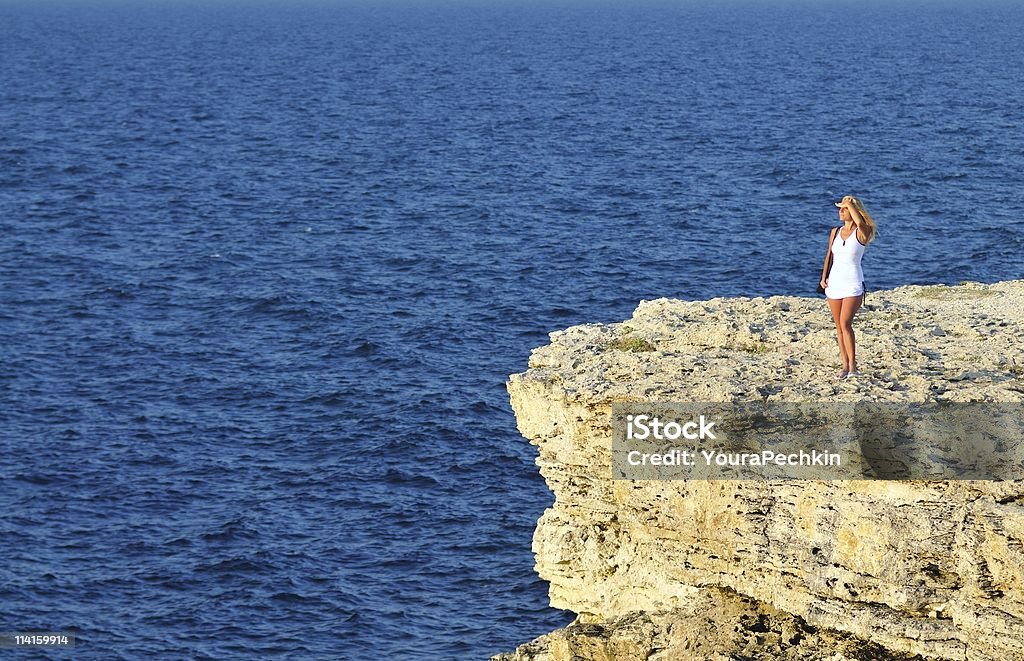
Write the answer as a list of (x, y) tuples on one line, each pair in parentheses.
[(842, 374)]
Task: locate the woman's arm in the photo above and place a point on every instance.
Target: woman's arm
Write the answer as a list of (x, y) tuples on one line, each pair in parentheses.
[(828, 253), (858, 221)]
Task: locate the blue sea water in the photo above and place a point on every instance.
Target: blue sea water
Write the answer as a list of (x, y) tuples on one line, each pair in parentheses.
[(265, 270)]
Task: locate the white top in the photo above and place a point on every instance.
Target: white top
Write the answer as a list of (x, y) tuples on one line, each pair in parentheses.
[(846, 278)]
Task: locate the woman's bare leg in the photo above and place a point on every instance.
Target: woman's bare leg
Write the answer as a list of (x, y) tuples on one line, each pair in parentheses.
[(848, 308), (836, 306)]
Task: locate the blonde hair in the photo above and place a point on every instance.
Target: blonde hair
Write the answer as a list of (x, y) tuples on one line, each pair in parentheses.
[(870, 229)]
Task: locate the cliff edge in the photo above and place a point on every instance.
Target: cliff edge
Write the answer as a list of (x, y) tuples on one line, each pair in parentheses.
[(780, 569)]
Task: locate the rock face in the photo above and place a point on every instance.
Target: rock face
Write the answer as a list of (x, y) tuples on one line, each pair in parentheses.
[(788, 569), (715, 624)]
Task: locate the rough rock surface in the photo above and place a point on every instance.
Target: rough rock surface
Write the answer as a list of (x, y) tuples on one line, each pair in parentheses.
[(715, 625), (837, 569)]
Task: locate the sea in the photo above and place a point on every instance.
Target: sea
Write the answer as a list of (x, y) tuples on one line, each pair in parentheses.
[(265, 268)]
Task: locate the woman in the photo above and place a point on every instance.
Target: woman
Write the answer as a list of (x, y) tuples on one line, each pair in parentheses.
[(844, 284)]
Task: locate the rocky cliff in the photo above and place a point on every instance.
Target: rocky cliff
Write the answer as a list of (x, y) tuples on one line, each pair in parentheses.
[(780, 569)]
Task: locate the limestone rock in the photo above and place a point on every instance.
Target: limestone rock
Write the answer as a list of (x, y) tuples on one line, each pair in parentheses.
[(715, 625), (910, 567)]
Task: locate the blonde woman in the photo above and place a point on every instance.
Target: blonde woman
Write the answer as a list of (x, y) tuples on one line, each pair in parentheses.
[(844, 282)]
